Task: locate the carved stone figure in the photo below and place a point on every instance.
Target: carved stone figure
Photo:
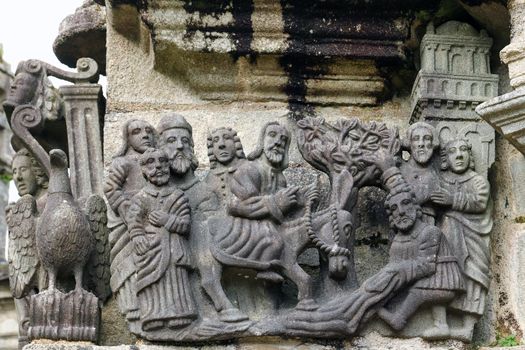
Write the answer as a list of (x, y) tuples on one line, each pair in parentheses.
[(226, 155), (254, 235), (26, 276), (66, 238), (432, 265), (69, 234), (466, 222), (158, 218), (124, 180), (420, 265), (421, 140)]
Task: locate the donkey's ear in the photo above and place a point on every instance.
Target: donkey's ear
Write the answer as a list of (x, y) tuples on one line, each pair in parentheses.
[(342, 186)]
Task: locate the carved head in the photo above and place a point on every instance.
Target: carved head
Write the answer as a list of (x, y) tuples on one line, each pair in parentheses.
[(224, 146), (273, 144), (155, 166), (31, 86), (456, 156), (23, 88), (138, 135), (402, 208), (421, 140), (177, 141), (28, 174)]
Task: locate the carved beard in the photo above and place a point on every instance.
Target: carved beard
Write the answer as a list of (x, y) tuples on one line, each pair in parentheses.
[(159, 177), (422, 155), (275, 155), (181, 163), (404, 223)]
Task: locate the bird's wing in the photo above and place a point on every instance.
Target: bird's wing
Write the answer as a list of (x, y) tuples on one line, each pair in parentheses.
[(98, 264), (23, 259)]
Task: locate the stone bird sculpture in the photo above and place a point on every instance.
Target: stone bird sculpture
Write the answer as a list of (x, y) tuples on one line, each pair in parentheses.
[(69, 239)]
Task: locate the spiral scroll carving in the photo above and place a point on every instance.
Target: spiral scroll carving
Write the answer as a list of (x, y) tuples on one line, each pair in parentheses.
[(24, 119), (87, 70)]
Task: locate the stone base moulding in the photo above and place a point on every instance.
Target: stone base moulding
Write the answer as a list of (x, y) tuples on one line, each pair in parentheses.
[(371, 341)]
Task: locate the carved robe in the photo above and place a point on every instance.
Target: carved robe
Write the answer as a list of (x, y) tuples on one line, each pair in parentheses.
[(423, 181), (163, 287), (421, 259), (124, 181), (249, 237), (467, 226)]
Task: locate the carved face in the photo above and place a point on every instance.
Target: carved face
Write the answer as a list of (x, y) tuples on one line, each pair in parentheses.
[(140, 136), (22, 89), (177, 143), (421, 147), (275, 140), (157, 168), (223, 145), (24, 177), (403, 211), (458, 156)]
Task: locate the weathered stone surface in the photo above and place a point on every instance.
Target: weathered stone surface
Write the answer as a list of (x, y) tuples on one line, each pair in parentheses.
[(8, 322), (506, 114), (83, 34), (371, 341)]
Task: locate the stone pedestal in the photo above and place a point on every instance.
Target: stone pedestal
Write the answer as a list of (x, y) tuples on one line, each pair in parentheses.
[(71, 316)]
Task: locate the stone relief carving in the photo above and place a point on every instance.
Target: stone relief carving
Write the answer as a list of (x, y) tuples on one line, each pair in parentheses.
[(466, 222), (159, 219), (124, 180), (243, 216), (53, 235), (178, 243)]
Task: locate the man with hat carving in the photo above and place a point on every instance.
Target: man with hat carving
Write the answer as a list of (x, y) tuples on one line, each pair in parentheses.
[(176, 139)]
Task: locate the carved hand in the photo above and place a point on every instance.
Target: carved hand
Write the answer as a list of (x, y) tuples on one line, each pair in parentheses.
[(442, 197), (158, 218), (287, 198), (311, 193), (182, 225), (141, 244)]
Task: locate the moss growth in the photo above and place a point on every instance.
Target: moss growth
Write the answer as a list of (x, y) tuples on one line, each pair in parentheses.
[(509, 340), (6, 177), (520, 220)]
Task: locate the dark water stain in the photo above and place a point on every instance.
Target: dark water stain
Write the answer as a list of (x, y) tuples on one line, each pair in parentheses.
[(242, 35), (297, 66)]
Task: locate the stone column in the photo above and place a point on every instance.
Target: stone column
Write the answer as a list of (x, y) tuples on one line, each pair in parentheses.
[(506, 113), (83, 122)]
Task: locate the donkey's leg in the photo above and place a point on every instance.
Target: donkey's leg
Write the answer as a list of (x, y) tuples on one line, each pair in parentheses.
[(211, 283), (304, 286)]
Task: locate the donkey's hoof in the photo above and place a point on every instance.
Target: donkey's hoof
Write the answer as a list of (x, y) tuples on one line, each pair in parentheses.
[(307, 305), (232, 315)]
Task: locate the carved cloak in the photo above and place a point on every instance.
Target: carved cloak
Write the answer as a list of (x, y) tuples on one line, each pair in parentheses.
[(467, 226), (249, 236)]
